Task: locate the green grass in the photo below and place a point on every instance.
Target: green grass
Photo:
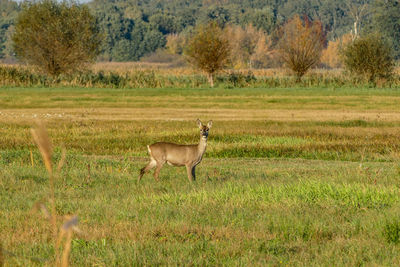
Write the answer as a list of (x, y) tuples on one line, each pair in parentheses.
[(292, 212), (293, 177)]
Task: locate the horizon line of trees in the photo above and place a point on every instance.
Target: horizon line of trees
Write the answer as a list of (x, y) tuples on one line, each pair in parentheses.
[(135, 28), (299, 47), (64, 38)]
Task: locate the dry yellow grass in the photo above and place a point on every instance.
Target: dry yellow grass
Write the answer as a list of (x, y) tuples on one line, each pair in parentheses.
[(186, 114), (145, 75), (165, 69)]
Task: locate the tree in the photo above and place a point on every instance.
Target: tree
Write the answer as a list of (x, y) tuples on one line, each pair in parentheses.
[(153, 40), (125, 50), (357, 9), (331, 55), (175, 43), (369, 57), (8, 45), (163, 23), (262, 56), (301, 45), (177, 16), (219, 14), (208, 49), (264, 19), (386, 20), (248, 45), (56, 37), (8, 11)]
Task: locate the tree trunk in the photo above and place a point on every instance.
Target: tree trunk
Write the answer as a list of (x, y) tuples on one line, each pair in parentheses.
[(299, 75), (355, 29), (211, 79)]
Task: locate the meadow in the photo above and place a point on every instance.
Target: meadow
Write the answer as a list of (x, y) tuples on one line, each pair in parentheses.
[(292, 176)]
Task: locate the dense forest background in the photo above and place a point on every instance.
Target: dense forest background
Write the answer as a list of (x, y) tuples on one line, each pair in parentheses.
[(135, 28)]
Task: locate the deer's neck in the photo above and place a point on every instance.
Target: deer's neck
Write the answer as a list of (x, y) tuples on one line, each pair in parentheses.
[(201, 147)]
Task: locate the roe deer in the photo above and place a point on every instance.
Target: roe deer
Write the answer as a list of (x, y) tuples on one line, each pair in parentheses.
[(177, 155)]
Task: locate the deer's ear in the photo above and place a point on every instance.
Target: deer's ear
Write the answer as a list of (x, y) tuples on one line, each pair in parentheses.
[(209, 124), (199, 123)]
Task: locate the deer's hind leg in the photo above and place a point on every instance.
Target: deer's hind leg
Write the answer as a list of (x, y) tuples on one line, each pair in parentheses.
[(148, 167), (158, 169)]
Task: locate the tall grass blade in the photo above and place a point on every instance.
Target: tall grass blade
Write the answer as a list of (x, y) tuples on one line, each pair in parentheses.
[(43, 142)]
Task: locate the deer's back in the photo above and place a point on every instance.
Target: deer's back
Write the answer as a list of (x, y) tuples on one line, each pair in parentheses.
[(174, 154)]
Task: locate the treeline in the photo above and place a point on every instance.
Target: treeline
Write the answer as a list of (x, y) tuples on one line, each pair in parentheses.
[(134, 28), (8, 11)]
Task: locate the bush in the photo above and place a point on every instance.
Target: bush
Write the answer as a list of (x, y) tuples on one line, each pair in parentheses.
[(301, 45), (239, 79), (369, 57), (56, 37), (208, 50)]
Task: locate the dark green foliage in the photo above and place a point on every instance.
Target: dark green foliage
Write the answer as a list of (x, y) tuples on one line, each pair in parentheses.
[(180, 15), (218, 14), (126, 50), (369, 57), (123, 20), (386, 20), (132, 20), (8, 12), (163, 23), (56, 37), (116, 29), (153, 40), (137, 46), (263, 19), (128, 35)]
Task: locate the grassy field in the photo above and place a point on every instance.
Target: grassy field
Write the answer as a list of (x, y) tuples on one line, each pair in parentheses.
[(292, 177)]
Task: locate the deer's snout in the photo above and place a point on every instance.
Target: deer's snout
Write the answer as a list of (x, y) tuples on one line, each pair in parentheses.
[(204, 134)]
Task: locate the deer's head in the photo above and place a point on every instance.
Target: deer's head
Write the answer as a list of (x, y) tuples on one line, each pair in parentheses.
[(204, 128)]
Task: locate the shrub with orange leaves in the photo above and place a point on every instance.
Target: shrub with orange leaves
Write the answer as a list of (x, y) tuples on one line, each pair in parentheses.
[(331, 56), (301, 44), (250, 46), (243, 42)]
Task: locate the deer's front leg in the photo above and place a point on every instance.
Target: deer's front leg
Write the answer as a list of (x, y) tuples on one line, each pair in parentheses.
[(194, 173), (189, 169)]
